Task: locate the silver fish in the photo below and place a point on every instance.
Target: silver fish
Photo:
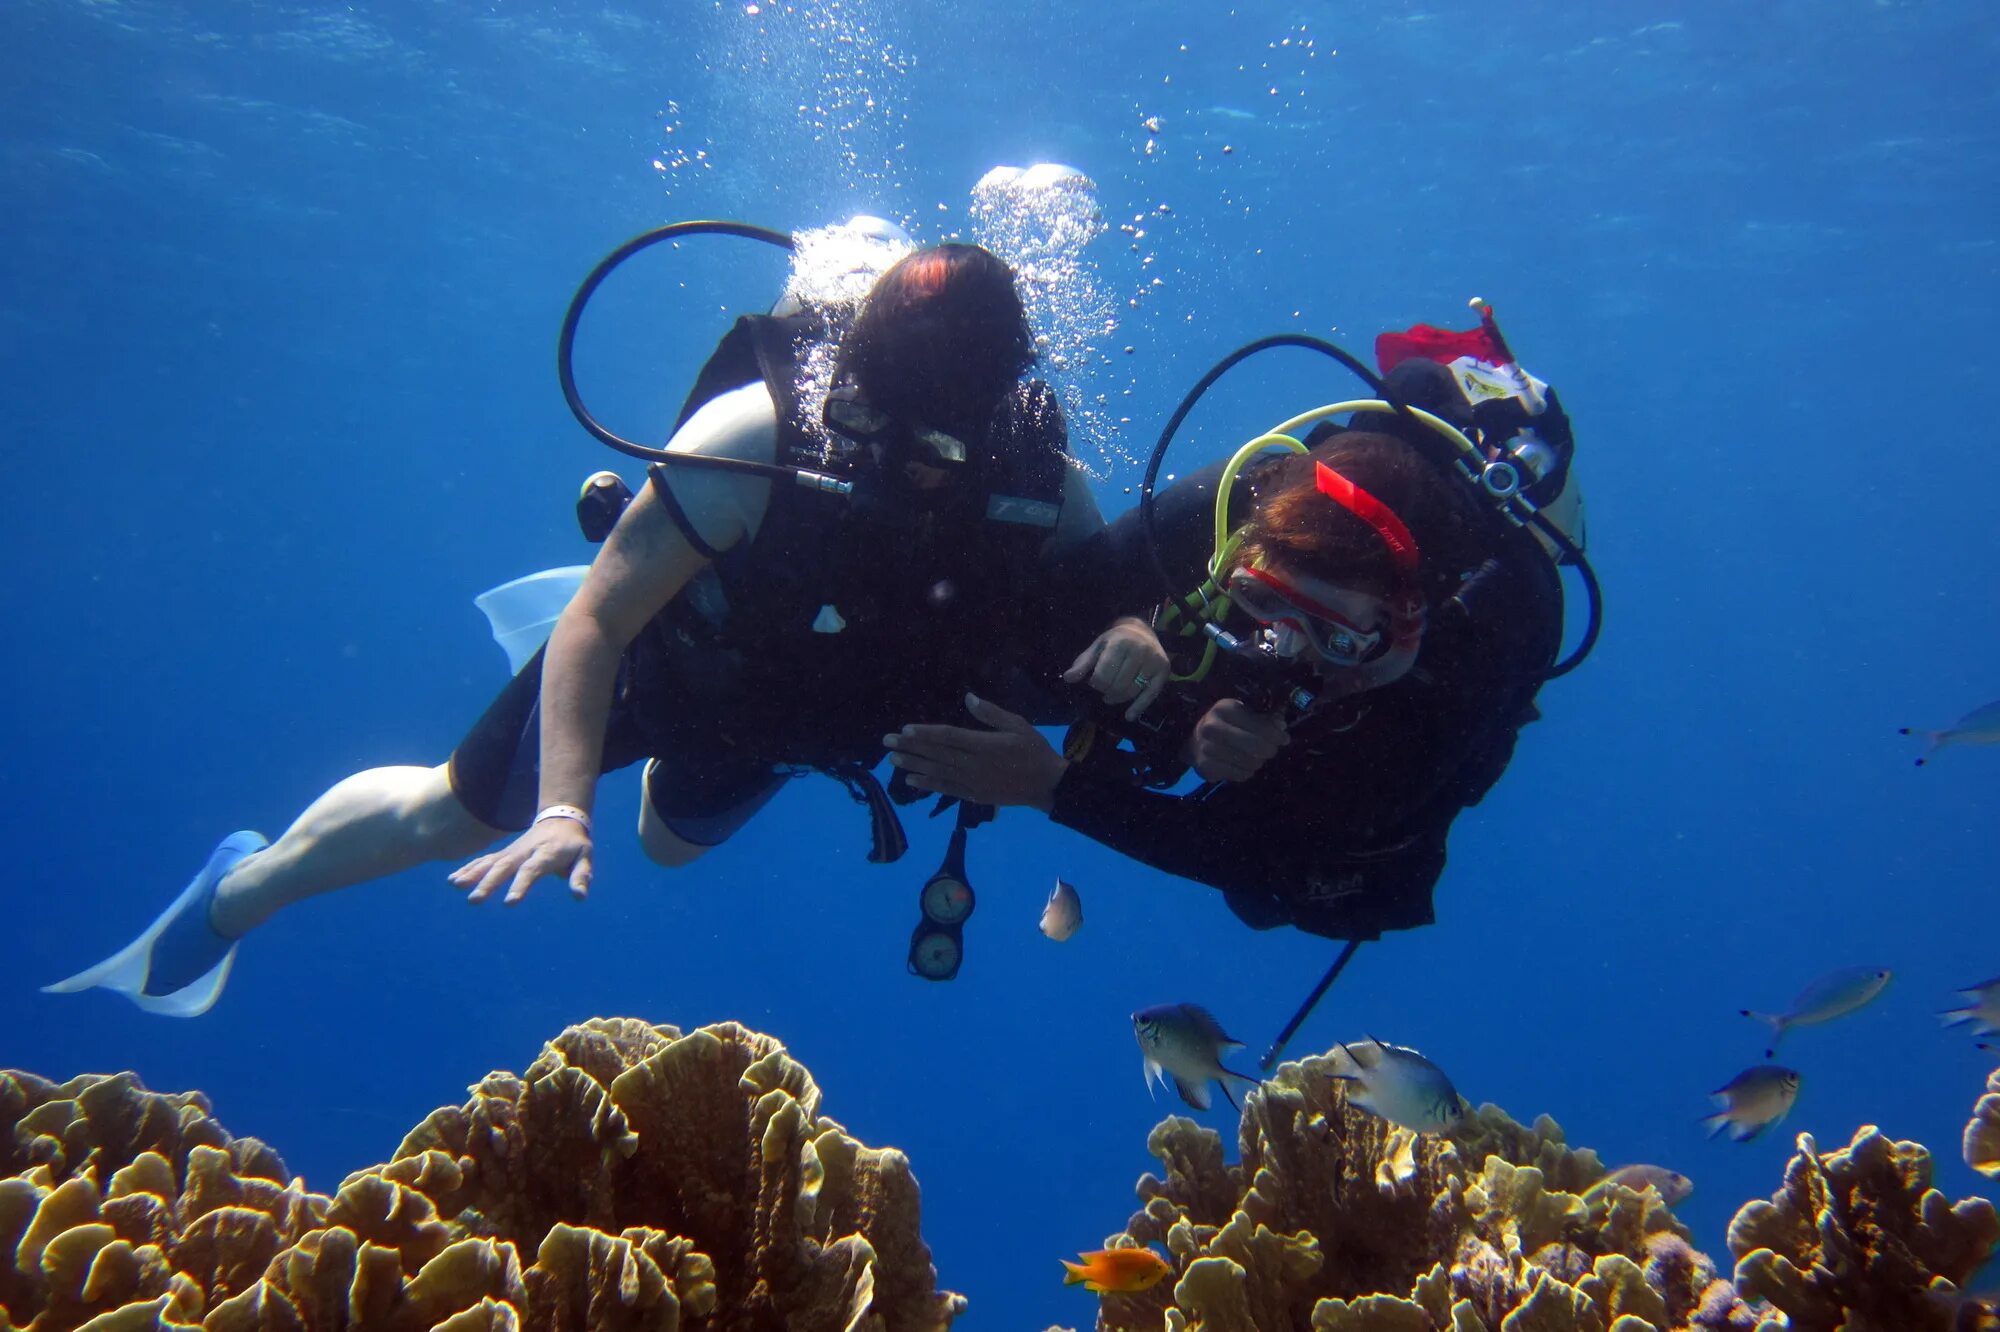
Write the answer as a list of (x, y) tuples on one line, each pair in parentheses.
[(1063, 916), (1401, 1086), (1983, 1012), (1184, 1043), (1753, 1100), (1674, 1187), (1833, 995), (1981, 726)]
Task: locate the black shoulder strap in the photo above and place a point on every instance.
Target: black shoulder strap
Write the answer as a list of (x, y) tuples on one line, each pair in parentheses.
[(731, 365), (658, 475)]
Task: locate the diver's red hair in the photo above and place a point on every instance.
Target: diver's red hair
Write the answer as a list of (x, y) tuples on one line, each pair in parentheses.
[(944, 322), (1298, 527)]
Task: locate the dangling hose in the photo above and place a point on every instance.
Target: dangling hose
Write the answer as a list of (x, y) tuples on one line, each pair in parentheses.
[(566, 341), (1147, 521)]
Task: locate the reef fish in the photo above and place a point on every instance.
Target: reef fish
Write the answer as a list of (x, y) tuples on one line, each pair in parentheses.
[(1184, 1043), (1981, 726), (1833, 995), (1063, 916), (1674, 1187), (1116, 1271), (1983, 1012), (1753, 1100), (1401, 1086)]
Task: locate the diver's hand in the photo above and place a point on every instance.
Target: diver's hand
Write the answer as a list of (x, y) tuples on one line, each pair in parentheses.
[(1232, 741), (1009, 765), (1125, 664), (551, 849)]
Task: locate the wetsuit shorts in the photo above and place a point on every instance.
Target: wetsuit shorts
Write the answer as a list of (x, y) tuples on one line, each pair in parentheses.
[(701, 798)]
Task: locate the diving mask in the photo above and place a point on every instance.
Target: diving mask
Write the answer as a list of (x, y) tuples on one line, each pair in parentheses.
[(849, 414), (1296, 623)]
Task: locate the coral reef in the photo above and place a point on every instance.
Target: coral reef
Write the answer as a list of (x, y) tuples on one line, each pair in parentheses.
[(1858, 1239), (634, 1178), (1340, 1222)]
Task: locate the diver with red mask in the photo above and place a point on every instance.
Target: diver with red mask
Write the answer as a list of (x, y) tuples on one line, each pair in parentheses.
[(1376, 606)]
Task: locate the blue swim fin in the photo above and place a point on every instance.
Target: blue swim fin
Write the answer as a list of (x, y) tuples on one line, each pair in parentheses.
[(523, 612), (179, 965)]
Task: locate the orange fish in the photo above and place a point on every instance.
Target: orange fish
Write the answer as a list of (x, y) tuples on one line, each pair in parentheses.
[(1117, 1271)]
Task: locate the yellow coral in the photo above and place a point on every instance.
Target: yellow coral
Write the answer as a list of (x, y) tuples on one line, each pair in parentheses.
[(655, 1176), (1857, 1238), (1337, 1218)]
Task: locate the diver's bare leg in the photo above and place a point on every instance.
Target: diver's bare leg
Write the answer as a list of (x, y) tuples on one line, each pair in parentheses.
[(375, 823), (662, 844)]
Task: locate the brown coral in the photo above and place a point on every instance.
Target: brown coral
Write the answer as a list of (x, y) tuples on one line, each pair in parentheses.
[(1342, 1222), (1858, 1239), (654, 1177)]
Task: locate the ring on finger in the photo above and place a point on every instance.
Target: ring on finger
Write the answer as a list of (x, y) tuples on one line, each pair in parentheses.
[(1142, 679)]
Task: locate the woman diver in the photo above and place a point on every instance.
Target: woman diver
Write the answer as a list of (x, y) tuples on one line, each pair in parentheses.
[(1373, 620)]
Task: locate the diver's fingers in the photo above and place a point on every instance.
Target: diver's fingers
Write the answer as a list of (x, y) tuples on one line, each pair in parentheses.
[(923, 768), (1219, 769), (472, 870), (996, 716), (932, 741), (1248, 746), (1086, 661), (1147, 695), (498, 871), (539, 864), (940, 784), (1246, 727), (579, 875), (1112, 678)]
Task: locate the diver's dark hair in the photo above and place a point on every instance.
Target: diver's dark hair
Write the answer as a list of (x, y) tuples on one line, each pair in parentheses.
[(1296, 526), (943, 329)]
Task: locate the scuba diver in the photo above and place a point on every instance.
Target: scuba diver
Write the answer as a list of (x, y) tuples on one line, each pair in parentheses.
[(846, 529), (1375, 609)]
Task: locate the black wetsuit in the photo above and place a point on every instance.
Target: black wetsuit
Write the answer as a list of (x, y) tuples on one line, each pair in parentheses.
[(837, 622), (1342, 833)]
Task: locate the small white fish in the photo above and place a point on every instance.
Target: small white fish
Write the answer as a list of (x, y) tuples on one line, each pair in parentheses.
[(1983, 1012), (1753, 1100), (1833, 995), (1401, 1086), (1063, 916), (1674, 1187), (1981, 726), (1184, 1043)]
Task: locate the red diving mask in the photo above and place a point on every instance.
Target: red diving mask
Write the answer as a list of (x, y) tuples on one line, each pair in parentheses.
[(1300, 623), (1297, 621)]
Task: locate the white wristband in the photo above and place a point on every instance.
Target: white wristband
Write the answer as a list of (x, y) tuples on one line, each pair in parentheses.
[(570, 812)]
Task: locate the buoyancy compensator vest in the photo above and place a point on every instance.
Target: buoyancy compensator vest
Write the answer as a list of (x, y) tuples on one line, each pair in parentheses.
[(847, 615)]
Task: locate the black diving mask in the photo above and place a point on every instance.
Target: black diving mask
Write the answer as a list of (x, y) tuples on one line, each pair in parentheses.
[(849, 414)]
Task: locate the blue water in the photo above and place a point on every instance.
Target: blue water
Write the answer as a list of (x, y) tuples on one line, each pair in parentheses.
[(278, 294)]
